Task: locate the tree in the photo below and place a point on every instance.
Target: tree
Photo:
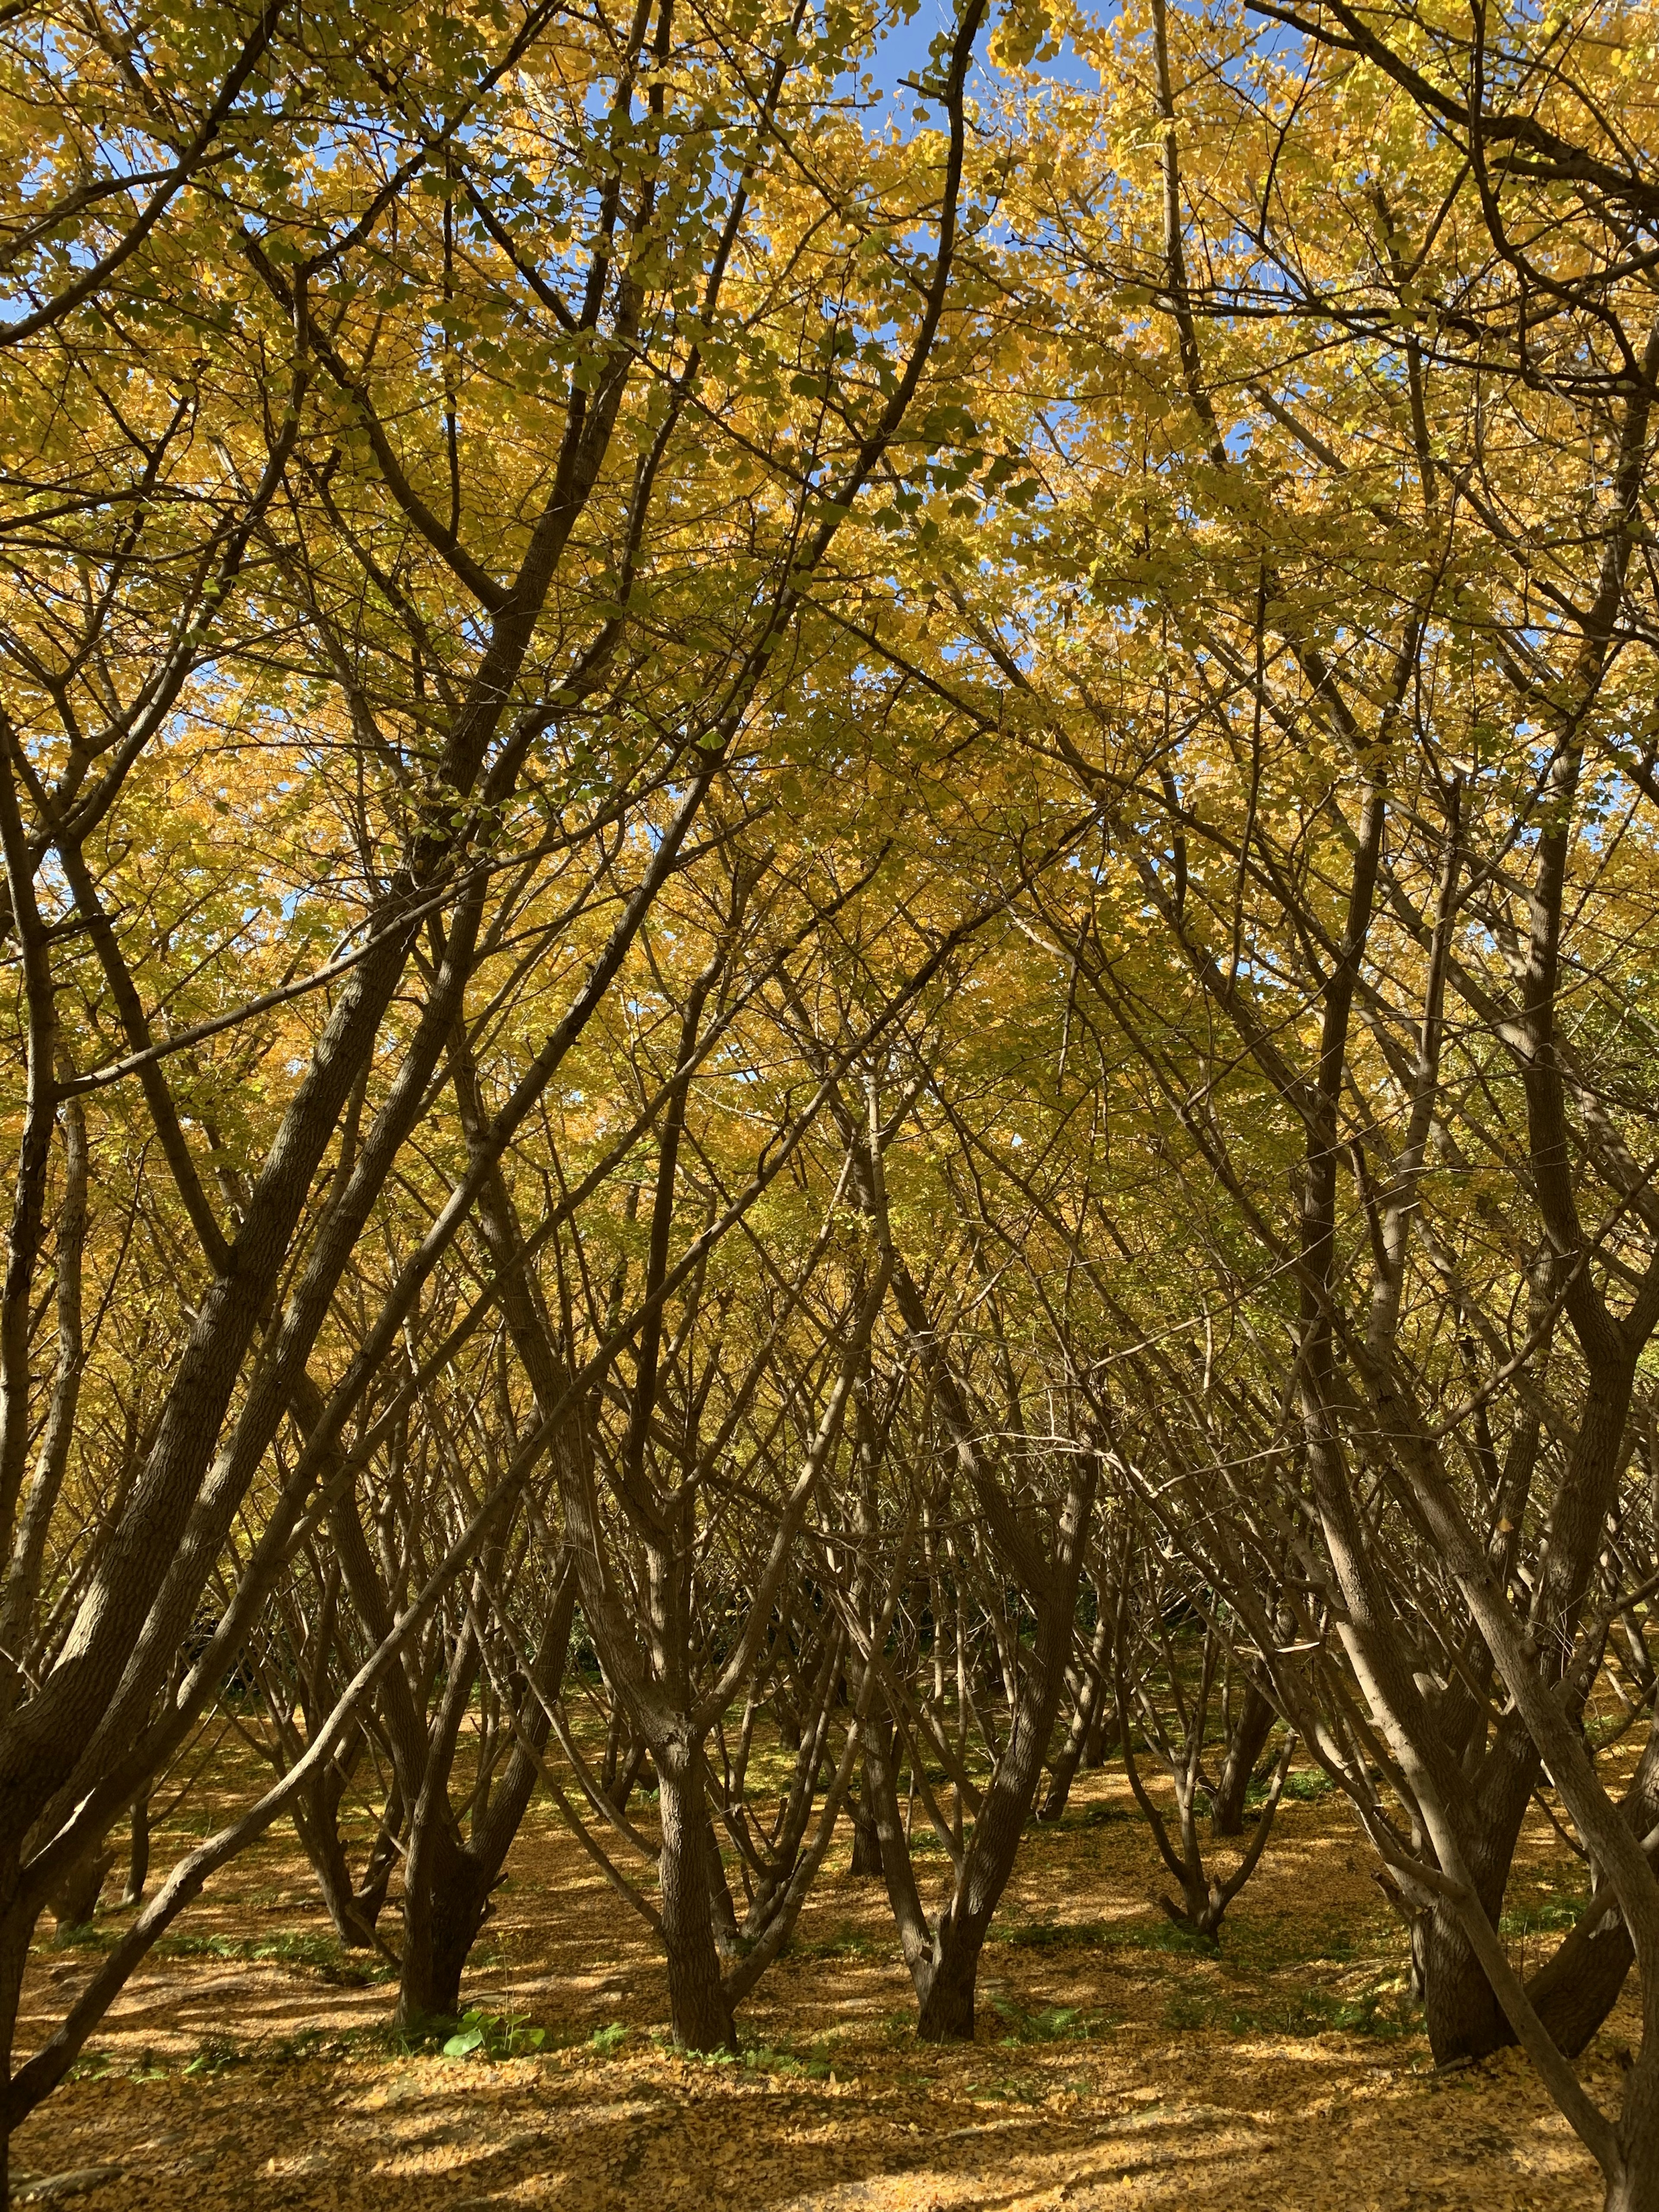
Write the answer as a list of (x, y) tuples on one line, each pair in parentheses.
[(377, 494)]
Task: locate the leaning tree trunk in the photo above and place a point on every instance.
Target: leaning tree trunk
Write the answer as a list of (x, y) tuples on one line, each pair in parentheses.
[(944, 1959), (1089, 1725), (316, 1823), (1460, 2012), (1575, 1989), (443, 1905), (1249, 1737)]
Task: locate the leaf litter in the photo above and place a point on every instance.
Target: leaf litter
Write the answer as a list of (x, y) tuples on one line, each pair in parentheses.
[(251, 2064)]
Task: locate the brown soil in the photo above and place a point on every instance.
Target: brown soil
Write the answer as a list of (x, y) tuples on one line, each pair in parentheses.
[(1108, 2070)]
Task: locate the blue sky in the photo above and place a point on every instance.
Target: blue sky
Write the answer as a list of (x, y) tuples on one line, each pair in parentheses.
[(903, 53)]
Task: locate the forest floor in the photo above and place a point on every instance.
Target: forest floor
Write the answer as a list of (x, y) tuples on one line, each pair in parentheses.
[(249, 2066)]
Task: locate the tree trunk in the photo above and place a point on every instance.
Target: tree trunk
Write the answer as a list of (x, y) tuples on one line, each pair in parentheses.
[(448, 1880), (636, 1774), (383, 1855), (351, 1924), (627, 1761), (1574, 1991), (1578, 1986), (946, 2013), (1100, 1738), (944, 1983), (722, 1913), (699, 2014), (1088, 1719), (444, 1907), (316, 1822), (138, 1851), (1250, 1734), (15, 1930), (1637, 2188), (866, 1841), (1463, 2018), (1061, 1775), (76, 1898), (1091, 1726), (446, 1892)]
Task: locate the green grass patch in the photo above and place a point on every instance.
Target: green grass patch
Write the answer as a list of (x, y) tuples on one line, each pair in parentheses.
[(302, 1946), (217, 2054), (1303, 1785), (1046, 2023), (848, 1941), (1161, 1935), (1099, 1934), (85, 1936), (1055, 1934), (1076, 1818), (1384, 2011), (1545, 1915), (308, 2043), (815, 2063)]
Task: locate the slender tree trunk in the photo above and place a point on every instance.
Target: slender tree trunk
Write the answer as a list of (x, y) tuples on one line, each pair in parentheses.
[(382, 1858), (138, 1851), (317, 1823), (634, 1774), (722, 1913), (1249, 1737), (946, 1974), (1098, 1748), (1089, 1725)]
